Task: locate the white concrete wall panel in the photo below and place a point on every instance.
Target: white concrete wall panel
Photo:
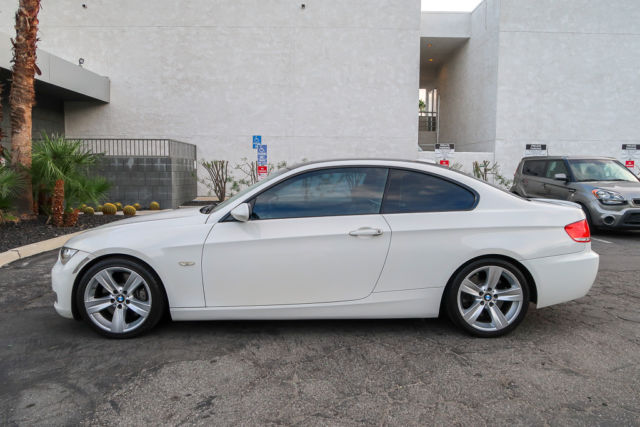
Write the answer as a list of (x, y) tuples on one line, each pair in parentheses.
[(467, 84), (568, 77), (335, 79)]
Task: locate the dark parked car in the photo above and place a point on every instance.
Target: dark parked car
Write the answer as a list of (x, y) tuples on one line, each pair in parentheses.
[(607, 191)]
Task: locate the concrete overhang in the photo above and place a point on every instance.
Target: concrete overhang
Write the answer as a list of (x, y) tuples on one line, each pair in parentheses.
[(445, 24), (441, 33), (59, 77)]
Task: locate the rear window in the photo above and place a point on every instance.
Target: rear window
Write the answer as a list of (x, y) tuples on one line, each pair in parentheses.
[(534, 167), (410, 191)]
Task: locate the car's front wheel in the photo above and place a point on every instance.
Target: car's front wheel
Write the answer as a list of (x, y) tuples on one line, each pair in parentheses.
[(488, 297), (120, 298)]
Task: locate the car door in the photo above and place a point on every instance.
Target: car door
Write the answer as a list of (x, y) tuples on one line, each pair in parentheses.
[(533, 178), (557, 189), (430, 217), (316, 237)]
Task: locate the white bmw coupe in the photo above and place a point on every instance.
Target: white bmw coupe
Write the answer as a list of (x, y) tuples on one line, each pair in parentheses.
[(334, 239)]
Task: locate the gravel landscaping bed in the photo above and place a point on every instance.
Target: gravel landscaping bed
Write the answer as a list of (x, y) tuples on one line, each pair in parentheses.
[(26, 232)]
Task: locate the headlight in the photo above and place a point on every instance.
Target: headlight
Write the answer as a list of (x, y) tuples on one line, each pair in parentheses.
[(66, 254), (608, 197)]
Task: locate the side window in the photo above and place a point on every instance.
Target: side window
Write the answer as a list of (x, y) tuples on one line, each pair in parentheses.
[(554, 167), (327, 192), (410, 191), (534, 167)]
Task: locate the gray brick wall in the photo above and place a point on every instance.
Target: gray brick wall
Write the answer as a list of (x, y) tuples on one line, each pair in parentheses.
[(168, 181)]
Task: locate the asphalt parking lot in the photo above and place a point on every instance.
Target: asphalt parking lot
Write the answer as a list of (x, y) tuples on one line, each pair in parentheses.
[(573, 364)]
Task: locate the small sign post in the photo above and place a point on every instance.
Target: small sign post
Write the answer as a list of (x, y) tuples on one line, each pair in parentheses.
[(444, 152), (631, 153), (535, 150), (263, 169)]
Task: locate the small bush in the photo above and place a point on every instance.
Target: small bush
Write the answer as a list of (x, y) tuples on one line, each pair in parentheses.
[(109, 209), (99, 208), (137, 206), (129, 210), (154, 206), (118, 206), (88, 210)]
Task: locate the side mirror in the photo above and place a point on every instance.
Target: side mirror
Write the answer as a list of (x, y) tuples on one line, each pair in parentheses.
[(241, 212), (560, 177)]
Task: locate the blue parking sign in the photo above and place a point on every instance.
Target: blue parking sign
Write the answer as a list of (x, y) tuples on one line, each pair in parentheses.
[(257, 140), (262, 158), (262, 149)]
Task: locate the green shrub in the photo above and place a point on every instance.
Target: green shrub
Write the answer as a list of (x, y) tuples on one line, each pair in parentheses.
[(129, 210), (88, 210), (137, 206), (154, 206), (59, 173), (10, 185), (109, 209), (99, 208), (118, 206)]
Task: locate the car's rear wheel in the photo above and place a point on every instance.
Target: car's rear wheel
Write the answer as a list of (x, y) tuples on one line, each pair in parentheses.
[(120, 298), (488, 298)]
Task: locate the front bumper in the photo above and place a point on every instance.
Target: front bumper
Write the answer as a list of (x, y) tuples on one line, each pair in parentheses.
[(615, 217), (62, 279), (563, 278)]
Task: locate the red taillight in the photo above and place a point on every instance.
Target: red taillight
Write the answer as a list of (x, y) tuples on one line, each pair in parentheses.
[(579, 231)]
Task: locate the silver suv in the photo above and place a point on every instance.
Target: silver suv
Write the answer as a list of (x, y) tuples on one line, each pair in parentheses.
[(607, 191)]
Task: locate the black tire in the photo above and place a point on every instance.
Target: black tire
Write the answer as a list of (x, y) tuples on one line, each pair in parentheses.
[(157, 297), (587, 214), (452, 307)]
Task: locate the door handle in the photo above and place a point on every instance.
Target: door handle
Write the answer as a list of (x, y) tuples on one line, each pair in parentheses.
[(366, 231)]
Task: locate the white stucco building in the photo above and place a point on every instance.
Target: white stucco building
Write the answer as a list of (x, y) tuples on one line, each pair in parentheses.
[(338, 78)]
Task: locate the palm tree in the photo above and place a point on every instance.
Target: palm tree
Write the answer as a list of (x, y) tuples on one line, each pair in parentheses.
[(22, 97), (58, 165)]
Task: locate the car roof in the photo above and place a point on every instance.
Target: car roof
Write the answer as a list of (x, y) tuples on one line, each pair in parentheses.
[(365, 159), (568, 158)]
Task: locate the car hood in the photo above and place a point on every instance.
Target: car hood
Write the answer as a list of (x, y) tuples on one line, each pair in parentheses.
[(144, 234), (626, 188), (172, 214)]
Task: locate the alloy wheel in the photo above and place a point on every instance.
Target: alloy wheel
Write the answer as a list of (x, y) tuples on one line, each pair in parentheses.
[(117, 300), (490, 298)]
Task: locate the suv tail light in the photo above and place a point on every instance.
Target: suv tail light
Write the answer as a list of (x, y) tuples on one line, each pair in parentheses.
[(579, 231)]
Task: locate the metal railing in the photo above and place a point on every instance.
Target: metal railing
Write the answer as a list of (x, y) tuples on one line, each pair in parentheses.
[(427, 121), (140, 147)]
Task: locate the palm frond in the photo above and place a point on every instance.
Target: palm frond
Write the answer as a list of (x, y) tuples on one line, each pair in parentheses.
[(55, 157), (11, 183)]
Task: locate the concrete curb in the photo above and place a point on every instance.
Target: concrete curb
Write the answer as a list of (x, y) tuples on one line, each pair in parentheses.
[(34, 248)]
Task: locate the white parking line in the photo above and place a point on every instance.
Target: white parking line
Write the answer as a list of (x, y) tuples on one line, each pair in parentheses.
[(601, 240)]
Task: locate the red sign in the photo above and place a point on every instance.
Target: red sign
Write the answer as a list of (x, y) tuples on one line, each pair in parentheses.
[(630, 164), (262, 169), (444, 163)]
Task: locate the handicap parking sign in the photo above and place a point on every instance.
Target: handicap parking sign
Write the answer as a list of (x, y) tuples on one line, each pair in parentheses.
[(262, 159), (257, 140), (262, 149)]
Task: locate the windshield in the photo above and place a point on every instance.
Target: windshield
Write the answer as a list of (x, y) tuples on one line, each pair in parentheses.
[(600, 170), (240, 194)]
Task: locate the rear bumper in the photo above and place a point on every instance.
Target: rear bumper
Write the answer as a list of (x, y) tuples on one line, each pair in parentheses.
[(564, 277)]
